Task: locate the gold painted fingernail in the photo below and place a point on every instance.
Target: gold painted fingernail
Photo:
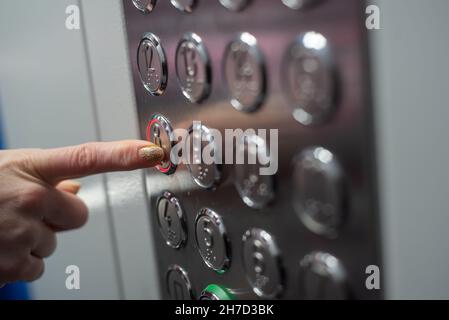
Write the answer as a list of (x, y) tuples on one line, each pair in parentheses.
[(152, 154)]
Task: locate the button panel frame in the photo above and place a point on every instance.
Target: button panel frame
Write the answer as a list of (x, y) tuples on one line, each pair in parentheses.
[(348, 134)]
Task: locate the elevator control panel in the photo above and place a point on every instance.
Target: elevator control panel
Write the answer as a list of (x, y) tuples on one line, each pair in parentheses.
[(293, 76)]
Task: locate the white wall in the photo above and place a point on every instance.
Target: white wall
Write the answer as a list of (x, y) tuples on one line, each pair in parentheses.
[(411, 80)]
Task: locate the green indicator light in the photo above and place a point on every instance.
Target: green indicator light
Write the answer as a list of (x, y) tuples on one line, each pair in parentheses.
[(216, 292)]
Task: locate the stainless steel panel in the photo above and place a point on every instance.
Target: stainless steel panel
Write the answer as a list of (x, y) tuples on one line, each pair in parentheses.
[(347, 134)]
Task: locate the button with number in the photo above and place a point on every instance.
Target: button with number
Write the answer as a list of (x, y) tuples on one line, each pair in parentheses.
[(299, 4), (309, 78), (211, 239), (203, 166), (152, 64), (184, 5), (146, 6), (261, 259), (235, 5), (160, 132), (322, 277), (178, 284), (319, 191), (244, 71), (193, 68), (171, 221), (255, 188)]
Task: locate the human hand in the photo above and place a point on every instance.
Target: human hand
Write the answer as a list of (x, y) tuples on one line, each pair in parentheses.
[(37, 199)]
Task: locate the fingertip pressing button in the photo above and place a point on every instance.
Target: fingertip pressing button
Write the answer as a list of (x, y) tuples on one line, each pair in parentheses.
[(160, 132)]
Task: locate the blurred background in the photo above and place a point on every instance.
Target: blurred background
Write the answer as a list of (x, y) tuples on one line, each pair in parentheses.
[(62, 87)]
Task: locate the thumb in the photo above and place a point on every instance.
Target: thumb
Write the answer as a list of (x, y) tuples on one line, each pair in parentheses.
[(69, 186)]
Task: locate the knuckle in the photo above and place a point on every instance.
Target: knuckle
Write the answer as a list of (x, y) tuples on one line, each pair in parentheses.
[(31, 198), (84, 157), (14, 158), (23, 235)]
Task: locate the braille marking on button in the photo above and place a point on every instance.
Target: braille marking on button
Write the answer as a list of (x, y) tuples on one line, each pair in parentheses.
[(256, 190), (207, 176), (261, 260)]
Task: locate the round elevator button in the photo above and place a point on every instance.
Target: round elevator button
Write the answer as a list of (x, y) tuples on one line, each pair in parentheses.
[(319, 195), (184, 5), (204, 166), (244, 72), (171, 220), (160, 132), (193, 68), (309, 78), (261, 259), (211, 240), (178, 284), (146, 6), (216, 292), (235, 5), (152, 64), (255, 189), (299, 4), (322, 277)]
